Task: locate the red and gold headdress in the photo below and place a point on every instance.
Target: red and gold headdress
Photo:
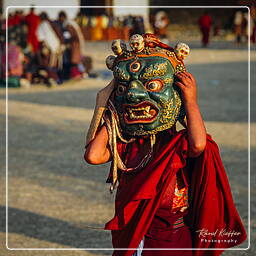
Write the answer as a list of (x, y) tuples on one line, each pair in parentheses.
[(145, 46)]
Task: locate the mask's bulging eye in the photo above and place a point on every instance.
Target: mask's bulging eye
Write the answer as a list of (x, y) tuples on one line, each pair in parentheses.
[(135, 66), (120, 89), (154, 86)]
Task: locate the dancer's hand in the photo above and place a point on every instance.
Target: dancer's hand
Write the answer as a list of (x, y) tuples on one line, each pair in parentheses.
[(187, 84)]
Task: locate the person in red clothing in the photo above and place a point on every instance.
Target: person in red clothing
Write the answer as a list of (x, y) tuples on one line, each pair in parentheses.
[(32, 20), (205, 23), (16, 19), (172, 190)]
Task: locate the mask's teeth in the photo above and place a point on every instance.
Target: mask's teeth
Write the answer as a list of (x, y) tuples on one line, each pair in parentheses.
[(133, 113)]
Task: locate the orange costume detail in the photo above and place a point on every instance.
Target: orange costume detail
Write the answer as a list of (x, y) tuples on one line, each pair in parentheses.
[(180, 199)]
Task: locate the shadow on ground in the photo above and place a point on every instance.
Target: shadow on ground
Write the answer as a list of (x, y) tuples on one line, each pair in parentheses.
[(49, 158), (53, 230)]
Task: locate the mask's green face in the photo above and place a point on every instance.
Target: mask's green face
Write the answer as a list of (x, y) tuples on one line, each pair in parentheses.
[(145, 99)]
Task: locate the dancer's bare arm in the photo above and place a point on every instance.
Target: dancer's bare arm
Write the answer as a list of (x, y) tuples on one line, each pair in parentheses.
[(196, 128), (98, 152)]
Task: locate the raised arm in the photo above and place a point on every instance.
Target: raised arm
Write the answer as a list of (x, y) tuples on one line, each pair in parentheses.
[(196, 129), (98, 152)]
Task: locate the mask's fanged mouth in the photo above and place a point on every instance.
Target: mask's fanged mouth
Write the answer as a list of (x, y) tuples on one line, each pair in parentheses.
[(144, 112)]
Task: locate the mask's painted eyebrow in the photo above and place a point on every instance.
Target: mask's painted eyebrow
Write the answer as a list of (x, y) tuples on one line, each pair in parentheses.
[(154, 71)]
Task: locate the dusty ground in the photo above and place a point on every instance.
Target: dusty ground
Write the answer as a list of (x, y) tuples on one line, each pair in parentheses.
[(58, 201)]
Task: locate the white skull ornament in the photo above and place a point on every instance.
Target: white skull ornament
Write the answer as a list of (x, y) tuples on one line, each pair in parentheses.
[(137, 43), (181, 50), (118, 47)]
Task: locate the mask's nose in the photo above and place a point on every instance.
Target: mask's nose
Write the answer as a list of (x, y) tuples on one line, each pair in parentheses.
[(136, 92)]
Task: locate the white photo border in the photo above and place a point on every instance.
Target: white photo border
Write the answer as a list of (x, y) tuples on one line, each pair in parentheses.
[(249, 130)]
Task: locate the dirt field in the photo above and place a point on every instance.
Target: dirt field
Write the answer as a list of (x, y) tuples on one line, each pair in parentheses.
[(56, 200)]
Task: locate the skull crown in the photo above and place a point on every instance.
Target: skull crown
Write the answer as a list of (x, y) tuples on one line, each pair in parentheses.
[(137, 43), (141, 44)]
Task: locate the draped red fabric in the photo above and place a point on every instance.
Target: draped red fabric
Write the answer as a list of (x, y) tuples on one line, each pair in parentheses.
[(211, 208), (214, 220)]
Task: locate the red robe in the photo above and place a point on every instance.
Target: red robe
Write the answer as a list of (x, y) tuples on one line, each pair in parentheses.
[(32, 20), (211, 208), (205, 23)]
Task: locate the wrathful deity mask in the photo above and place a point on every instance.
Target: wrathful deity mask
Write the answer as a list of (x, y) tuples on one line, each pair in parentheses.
[(145, 97)]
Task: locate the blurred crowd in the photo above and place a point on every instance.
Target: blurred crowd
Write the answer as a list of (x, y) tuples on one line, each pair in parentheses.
[(109, 27), (241, 27), (41, 50)]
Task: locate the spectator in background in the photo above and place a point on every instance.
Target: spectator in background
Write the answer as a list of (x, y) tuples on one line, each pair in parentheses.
[(20, 29), (161, 23), (61, 23), (247, 31), (238, 25), (24, 40), (30, 66), (46, 73), (75, 62), (80, 63), (15, 19), (15, 62), (32, 21), (205, 23), (50, 54), (77, 47)]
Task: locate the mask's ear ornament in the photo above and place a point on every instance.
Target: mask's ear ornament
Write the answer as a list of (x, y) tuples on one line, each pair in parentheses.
[(110, 62), (182, 51)]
